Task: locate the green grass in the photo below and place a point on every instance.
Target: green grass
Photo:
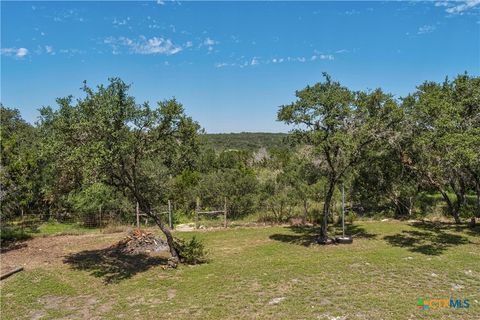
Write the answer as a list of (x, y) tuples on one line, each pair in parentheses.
[(52, 228), (381, 275), (56, 228)]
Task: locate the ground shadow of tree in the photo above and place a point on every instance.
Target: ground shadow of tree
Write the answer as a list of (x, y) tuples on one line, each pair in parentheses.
[(307, 235), (447, 226), (112, 265), (428, 238), (6, 246)]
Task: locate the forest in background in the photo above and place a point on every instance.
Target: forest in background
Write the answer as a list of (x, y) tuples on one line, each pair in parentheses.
[(402, 158), (249, 141)]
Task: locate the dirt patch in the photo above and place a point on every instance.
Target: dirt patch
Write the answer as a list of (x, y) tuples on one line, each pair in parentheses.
[(77, 307), (171, 293), (46, 251)]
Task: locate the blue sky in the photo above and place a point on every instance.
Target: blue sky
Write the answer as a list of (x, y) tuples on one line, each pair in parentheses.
[(230, 63)]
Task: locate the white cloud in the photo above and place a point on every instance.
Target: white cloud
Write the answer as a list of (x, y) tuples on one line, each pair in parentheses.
[(160, 2), (155, 45), (67, 15), (209, 43), (442, 4), (49, 50), (426, 29), (327, 57), (244, 62), (341, 51), (72, 51), (322, 57), (188, 44), (351, 12), (22, 52), (17, 52), (458, 7), (221, 64), (117, 22)]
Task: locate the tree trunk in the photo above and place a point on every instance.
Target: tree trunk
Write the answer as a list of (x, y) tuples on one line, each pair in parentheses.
[(476, 179), (326, 211), (451, 207), (305, 211), (167, 233)]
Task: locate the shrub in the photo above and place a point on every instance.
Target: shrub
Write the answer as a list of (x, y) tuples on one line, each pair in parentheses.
[(350, 217), (192, 251)]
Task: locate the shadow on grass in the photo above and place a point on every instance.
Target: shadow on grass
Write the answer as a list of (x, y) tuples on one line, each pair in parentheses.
[(111, 264), (429, 238), (306, 236), (447, 226), (13, 238)]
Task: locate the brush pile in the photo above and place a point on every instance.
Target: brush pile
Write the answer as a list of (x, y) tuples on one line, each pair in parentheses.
[(139, 241)]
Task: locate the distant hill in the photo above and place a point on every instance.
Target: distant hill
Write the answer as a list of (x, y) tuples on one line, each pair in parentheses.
[(244, 141)]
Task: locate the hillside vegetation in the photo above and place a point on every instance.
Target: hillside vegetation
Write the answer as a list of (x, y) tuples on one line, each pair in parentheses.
[(251, 141)]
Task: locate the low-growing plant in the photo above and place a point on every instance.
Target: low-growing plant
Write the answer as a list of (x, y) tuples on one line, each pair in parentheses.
[(192, 251)]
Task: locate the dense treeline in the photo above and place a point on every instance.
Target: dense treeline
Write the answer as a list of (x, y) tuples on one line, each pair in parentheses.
[(251, 141), (392, 155)]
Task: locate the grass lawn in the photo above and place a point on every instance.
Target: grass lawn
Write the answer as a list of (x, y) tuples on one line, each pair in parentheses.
[(45, 229), (261, 273)]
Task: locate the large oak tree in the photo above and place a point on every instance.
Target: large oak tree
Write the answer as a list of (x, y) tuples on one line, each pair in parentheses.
[(340, 125), (133, 147)]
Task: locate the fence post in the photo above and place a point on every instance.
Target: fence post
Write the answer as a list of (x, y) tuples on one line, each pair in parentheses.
[(170, 222), (225, 211), (101, 220), (197, 209), (23, 222), (138, 216)]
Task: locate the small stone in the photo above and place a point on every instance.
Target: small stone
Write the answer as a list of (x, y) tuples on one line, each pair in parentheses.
[(276, 300), (457, 286)]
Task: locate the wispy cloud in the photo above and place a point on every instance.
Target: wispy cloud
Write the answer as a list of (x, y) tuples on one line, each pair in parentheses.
[(352, 12), (155, 45), (15, 52), (254, 61), (323, 57), (72, 51), (244, 62), (120, 22), (209, 43), (221, 64), (68, 15), (49, 50), (426, 29), (458, 7)]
